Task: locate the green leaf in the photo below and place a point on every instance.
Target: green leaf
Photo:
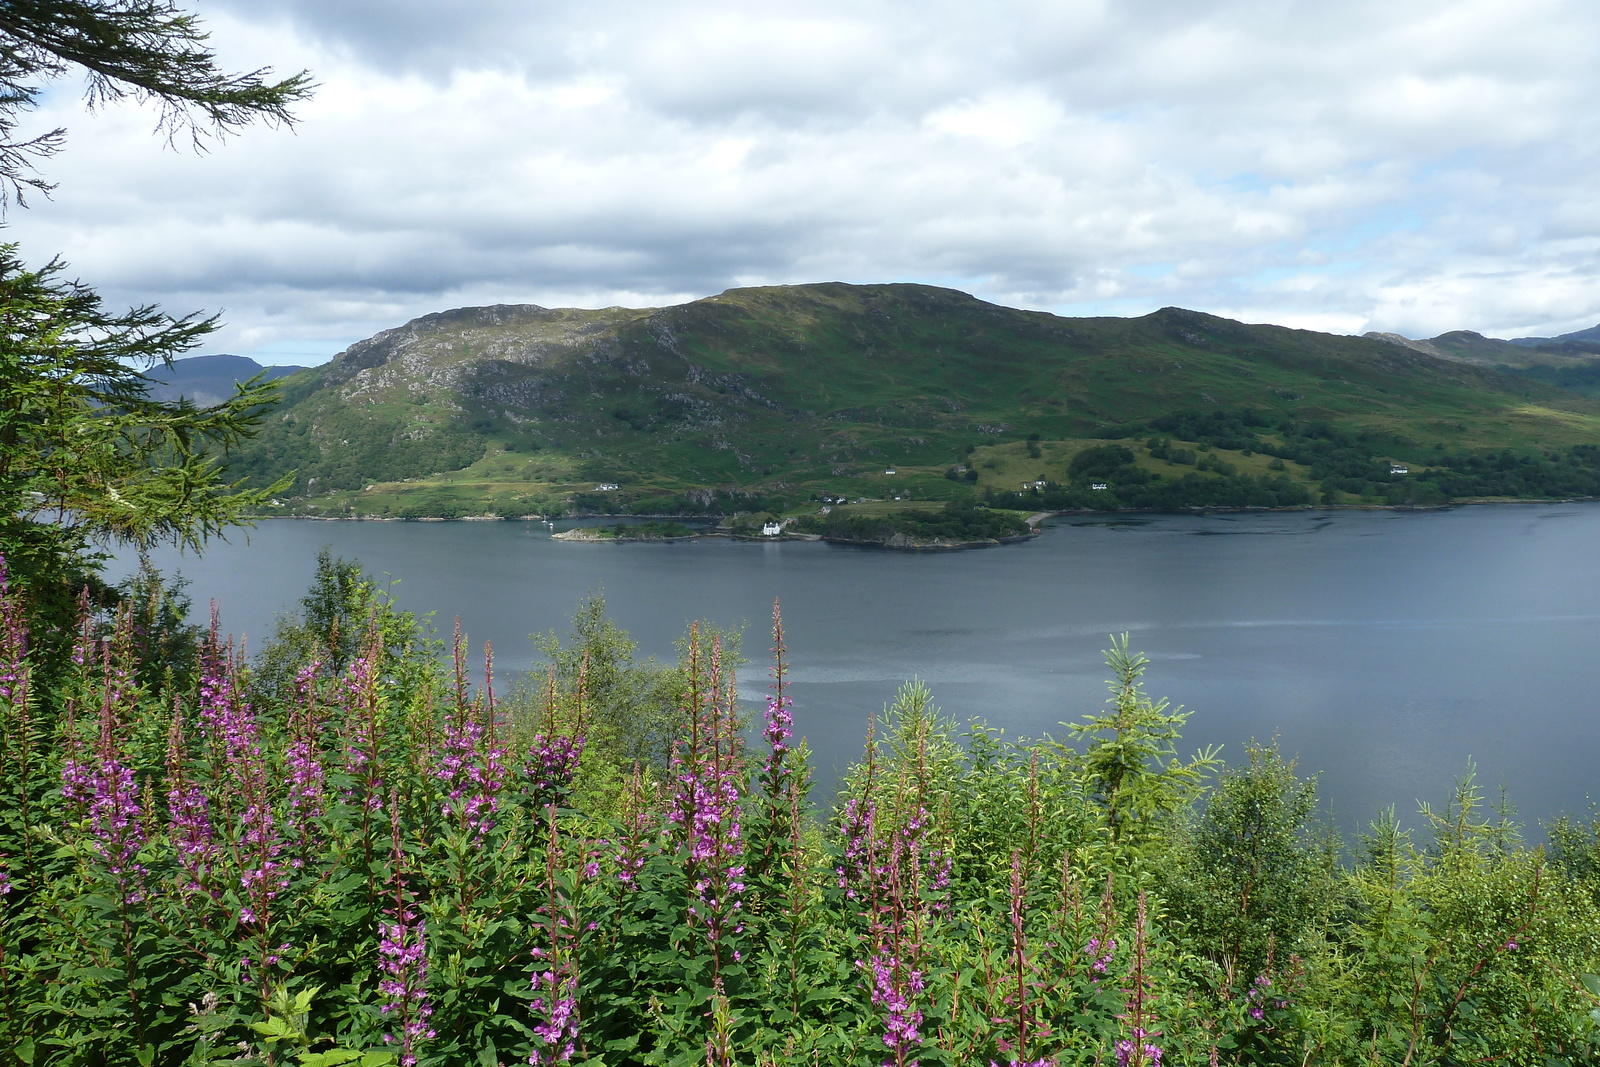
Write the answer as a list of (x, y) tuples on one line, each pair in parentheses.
[(273, 1029), (336, 1057), (331, 1058)]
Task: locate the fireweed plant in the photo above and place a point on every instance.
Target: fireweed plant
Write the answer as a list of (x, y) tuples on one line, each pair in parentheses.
[(374, 860)]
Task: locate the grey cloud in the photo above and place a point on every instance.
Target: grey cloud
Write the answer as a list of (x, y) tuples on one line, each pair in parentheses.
[(1416, 167), (426, 36)]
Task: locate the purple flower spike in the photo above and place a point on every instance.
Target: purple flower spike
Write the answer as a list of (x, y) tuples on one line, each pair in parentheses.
[(1101, 962), (1150, 1054), (551, 765), (188, 814), (557, 1003), (107, 788), (13, 646), (472, 768), (779, 731), (403, 958), (893, 986), (307, 778)]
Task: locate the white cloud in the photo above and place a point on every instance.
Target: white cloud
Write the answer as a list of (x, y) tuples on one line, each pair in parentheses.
[(1366, 165)]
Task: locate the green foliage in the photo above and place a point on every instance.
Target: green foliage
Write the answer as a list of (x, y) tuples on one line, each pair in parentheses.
[(913, 767), (86, 458), (629, 706), (1346, 460), (1467, 951), (1252, 876), (641, 531), (342, 613), (1130, 768), (370, 450), (955, 522), (166, 643), (1100, 461), (1575, 850), (1582, 378)]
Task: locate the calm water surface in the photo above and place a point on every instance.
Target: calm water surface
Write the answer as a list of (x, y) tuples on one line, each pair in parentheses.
[(1383, 649)]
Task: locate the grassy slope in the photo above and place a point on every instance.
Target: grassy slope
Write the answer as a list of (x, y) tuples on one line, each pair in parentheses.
[(820, 387)]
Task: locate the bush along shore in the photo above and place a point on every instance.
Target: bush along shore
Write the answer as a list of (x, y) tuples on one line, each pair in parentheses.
[(638, 531), (954, 525), (344, 853)]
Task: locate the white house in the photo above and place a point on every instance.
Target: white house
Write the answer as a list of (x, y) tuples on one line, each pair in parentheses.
[(1098, 485), (605, 487), (1395, 468), (889, 470), (771, 529)]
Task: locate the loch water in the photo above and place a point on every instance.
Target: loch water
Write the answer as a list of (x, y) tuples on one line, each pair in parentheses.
[(1383, 649)]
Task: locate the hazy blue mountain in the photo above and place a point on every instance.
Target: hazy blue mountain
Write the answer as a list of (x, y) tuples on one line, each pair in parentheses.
[(1570, 349), (1590, 336), (208, 380)]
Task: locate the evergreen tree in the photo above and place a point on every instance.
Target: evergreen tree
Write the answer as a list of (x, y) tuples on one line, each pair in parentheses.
[(147, 50), (87, 459), (1130, 767)]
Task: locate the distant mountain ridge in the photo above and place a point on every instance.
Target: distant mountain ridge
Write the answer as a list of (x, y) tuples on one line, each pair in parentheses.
[(1591, 335), (1582, 346), (207, 380)]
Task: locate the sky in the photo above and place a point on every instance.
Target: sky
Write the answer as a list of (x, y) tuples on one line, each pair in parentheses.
[(1413, 166)]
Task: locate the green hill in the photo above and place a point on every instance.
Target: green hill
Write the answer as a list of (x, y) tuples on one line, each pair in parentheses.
[(762, 397)]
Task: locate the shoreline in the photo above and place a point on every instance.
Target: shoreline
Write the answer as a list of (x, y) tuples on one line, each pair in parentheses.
[(1031, 519), (900, 543)]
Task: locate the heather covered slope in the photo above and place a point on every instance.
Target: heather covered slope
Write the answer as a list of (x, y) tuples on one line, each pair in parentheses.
[(805, 388)]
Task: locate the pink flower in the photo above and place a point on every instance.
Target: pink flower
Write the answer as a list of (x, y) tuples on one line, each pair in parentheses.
[(403, 960), (557, 1003)]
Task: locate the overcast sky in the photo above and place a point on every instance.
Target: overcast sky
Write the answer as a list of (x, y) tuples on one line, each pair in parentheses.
[(1406, 165)]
